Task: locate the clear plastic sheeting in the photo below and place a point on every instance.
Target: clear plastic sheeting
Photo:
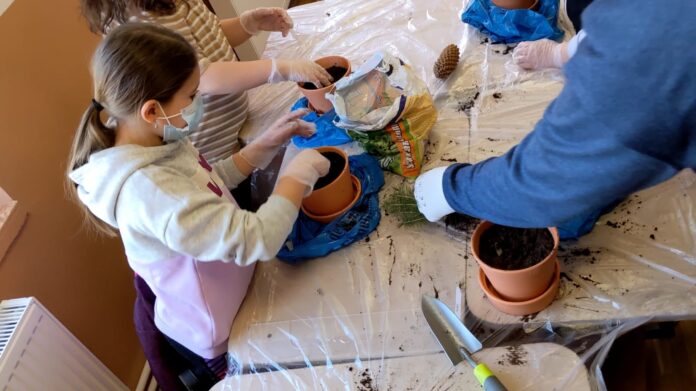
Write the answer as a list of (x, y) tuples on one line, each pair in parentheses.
[(352, 320)]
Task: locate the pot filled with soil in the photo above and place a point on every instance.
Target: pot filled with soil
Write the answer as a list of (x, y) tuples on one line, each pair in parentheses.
[(516, 4), (520, 264), (336, 192), (338, 67)]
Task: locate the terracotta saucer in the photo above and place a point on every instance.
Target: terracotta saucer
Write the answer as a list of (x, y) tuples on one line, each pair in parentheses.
[(521, 307), (357, 187)]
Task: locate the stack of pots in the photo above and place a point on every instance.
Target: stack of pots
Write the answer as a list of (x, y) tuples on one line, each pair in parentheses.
[(523, 291), (336, 192)]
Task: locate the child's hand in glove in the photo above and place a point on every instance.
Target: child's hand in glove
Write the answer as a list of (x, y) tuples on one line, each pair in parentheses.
[(266, 19), (299, 71), (260, 152), (306, 168)]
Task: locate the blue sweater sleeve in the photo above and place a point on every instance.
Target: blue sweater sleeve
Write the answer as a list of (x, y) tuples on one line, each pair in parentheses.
[(625, 120)]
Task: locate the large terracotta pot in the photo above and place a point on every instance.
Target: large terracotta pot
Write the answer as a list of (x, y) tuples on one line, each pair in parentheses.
[(334, 193), (317, 97), (526, 307), (517, 285)]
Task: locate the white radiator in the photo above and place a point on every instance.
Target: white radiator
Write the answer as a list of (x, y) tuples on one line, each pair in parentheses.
[(38, 353)]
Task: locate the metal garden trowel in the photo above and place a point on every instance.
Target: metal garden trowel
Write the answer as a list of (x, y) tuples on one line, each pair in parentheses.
[(457, 341)]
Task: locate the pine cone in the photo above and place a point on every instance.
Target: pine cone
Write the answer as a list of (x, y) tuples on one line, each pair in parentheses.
[(447, 62)]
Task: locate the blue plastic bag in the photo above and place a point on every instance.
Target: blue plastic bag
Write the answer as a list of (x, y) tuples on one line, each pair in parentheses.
[(511, 26), (310, 239), (327, 133)]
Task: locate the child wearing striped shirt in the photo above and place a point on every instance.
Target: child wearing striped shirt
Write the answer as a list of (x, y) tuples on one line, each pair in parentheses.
[(224, 79)]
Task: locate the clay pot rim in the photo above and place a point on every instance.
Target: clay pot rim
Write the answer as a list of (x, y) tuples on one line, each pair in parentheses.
[(337, 151), (477, 235), (330, 86), (533, 305), (357, 186)]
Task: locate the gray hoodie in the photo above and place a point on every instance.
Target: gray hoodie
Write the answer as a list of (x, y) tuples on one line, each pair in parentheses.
[(181, 230)]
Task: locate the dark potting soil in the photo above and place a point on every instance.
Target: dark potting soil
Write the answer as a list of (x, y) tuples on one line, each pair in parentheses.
[(461, 223), (510, 248), (336, 72), (337, 163)]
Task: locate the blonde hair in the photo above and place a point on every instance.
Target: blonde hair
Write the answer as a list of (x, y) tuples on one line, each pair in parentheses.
[(136, 62)]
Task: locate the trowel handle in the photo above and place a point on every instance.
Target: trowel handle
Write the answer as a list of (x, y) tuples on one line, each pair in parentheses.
[(488, 379)]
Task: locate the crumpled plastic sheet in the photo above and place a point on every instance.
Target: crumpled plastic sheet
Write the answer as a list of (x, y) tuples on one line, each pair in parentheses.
[(352, 320)]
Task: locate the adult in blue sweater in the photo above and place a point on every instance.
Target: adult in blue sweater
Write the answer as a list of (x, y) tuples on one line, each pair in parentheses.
[(624, 121)]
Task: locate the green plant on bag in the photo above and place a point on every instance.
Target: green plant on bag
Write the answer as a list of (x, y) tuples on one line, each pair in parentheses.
[(401, 203), (379, 145)]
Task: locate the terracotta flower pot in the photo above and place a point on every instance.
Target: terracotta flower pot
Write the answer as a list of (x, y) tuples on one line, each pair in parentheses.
[(325, 219), (521, 307), (334, 193), (317, 96), (517, 285), (516, 4)]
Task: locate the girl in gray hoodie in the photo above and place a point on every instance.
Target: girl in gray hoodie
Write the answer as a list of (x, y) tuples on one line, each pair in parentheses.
[(139, 176)]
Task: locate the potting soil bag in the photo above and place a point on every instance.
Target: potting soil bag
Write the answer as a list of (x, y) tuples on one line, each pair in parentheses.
[(511, 26), (327, 132), (311, 239), (386, 108)]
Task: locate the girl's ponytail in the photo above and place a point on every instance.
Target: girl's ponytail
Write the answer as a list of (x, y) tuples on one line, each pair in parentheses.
[(91, 136)]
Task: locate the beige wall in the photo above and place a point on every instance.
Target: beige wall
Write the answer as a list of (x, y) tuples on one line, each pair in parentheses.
[(44, 87)]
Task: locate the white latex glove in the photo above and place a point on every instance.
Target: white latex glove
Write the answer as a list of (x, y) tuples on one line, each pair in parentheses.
[(260, 152), (299, 71), (430, 196), (266, 19), (540, 54), (307, 167)]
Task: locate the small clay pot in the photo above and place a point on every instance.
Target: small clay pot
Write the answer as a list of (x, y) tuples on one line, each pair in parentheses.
[(516, 4), (520, 308), (335, 191), (317, 96), (517, 285), (357, 188)]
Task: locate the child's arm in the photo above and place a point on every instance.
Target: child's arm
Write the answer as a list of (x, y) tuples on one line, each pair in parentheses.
[(194, 221), (234, 32), (249, 23), (231, 77), (260, 152)]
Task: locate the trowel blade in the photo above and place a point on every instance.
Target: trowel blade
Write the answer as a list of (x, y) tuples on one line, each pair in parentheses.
[(448, 329)]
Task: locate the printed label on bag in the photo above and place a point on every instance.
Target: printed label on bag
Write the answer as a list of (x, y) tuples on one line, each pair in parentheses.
[(407, 146)]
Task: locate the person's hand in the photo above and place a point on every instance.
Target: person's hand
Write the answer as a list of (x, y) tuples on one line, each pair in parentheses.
[(260, 152), (299, 71), (540, 54), (307, 167), (430, 196), (266, 19)]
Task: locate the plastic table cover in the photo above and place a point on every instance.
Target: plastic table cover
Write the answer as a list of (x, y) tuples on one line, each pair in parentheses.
[(521, 367), (303, 326)]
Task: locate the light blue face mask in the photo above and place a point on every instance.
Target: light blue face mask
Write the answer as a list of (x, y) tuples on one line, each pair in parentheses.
[(192, 114)]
